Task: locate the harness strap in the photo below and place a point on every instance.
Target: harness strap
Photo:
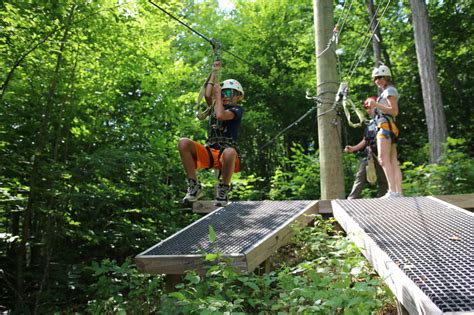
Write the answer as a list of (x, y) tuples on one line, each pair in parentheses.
[(211, 158), (390, 120), (221, 150)]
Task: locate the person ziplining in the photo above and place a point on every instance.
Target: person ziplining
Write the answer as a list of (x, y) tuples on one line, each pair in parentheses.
[(220, 152)]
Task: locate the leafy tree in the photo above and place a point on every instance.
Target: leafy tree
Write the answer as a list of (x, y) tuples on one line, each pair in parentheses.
[(95, 96)]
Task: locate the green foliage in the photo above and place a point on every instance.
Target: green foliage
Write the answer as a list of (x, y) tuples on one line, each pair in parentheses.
[(96, 94), (322, 272), (247, 188), (297, 177), (119, 289), (453, 175)]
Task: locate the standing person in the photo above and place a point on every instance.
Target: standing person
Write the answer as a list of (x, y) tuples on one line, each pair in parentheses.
[(220, 151), (386, 110), (369, 145)]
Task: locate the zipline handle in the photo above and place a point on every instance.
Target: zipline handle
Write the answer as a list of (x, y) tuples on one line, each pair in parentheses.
[(217, 48)]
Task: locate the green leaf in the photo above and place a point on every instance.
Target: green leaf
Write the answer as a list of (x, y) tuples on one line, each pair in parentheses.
[(212, 234)]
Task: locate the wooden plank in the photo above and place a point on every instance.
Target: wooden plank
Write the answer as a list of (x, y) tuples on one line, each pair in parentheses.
[(204, 206), (324, 207), (406, 291), (260, 251), (465, 201), (179, 264)]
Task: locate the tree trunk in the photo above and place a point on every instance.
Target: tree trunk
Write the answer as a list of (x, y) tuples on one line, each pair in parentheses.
[(432, 100), (329, 127), (376, 38), (24, 255)]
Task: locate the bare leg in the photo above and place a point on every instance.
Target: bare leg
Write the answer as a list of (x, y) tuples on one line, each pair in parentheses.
[(187, 152), (384, 155), (228, 163), (397, 173)]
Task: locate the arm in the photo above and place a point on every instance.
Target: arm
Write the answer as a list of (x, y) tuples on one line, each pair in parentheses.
[(360, 146), (221, 113), (211, 81), (390, 109)]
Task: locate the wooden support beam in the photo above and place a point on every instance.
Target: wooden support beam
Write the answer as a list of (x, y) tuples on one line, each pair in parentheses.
[(324, 207), (204, 206), (465, 201)]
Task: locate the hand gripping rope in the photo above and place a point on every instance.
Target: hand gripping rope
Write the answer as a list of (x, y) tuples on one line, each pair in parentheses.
[(203, 113)]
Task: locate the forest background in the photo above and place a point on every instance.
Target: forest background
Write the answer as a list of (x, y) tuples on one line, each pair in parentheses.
[(96, 94)]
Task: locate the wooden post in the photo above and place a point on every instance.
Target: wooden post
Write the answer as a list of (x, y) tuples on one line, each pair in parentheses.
[(329, 124), (171, 281)]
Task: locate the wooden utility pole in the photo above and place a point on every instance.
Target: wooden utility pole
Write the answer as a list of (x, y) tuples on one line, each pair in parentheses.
[(329, 123)]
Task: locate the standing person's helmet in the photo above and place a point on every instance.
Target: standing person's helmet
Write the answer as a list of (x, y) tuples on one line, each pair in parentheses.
[(367, 101), (381, 71), (233, 84)]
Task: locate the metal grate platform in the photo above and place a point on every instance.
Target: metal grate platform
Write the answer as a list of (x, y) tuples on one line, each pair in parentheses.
[(423, 246), (248, 231)]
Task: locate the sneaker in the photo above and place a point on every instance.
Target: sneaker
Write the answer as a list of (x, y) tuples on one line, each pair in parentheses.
[(387, 195), (194, 191), (391, 194), (221, 195)]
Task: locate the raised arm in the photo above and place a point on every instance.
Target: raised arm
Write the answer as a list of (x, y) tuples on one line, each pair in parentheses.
[(212, 80)]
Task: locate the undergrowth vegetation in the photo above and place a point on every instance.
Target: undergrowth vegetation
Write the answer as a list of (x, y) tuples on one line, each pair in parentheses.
[(319, 272)]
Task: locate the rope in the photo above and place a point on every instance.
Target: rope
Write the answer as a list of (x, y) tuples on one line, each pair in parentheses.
[(344, 90), (202, 114), (182, 23)]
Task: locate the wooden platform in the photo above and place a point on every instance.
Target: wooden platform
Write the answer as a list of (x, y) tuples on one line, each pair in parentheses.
[(422, 247), (465, 201), (248, 232)]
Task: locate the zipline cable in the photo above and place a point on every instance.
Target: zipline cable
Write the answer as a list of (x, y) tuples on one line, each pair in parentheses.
[(182, 23), (339, 94), (336, 32), (345, 18), (352, 69), (359, 49), (312, 109), (210, 41)]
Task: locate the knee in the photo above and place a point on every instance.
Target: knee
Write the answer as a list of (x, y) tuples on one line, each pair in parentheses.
[(184, 144), (229, 155), (382, 161)]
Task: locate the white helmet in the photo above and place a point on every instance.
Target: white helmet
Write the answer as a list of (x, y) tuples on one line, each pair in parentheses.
[(233, 84), (381, 71)]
